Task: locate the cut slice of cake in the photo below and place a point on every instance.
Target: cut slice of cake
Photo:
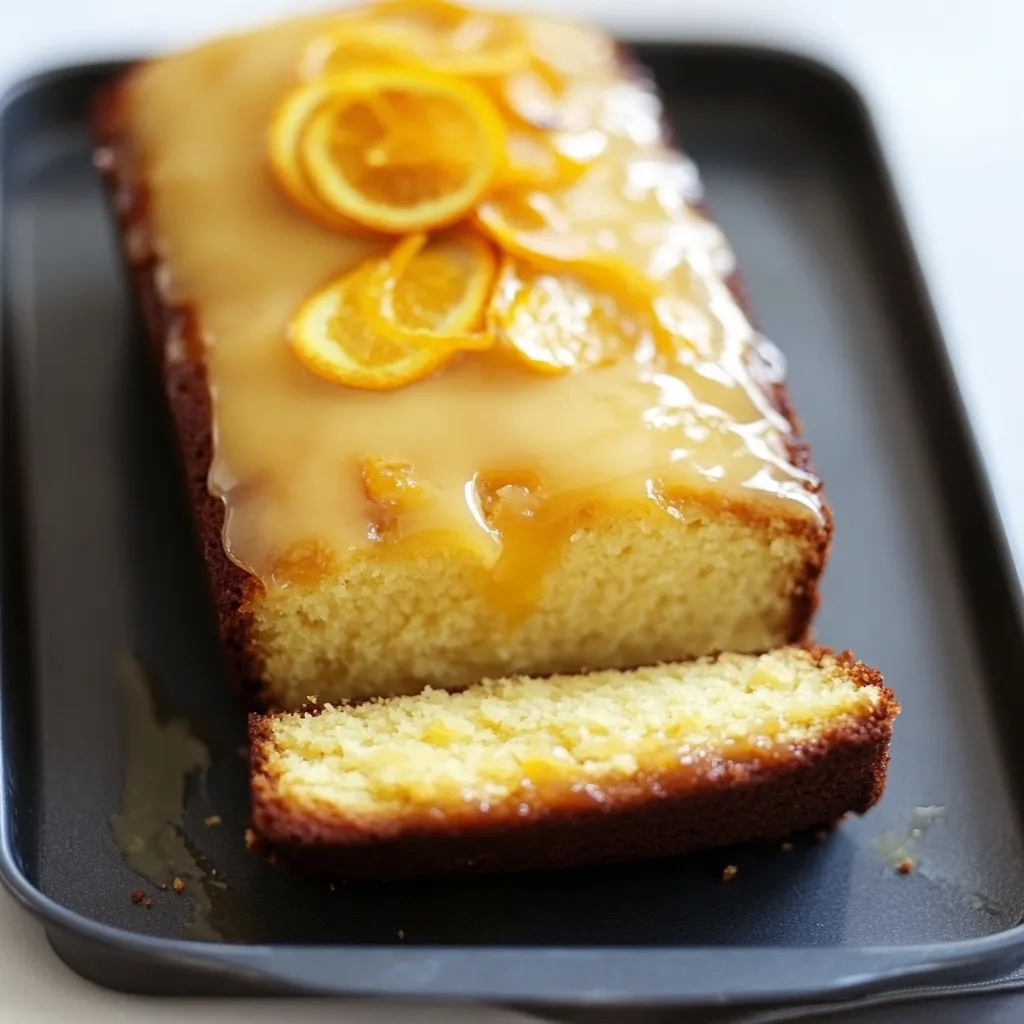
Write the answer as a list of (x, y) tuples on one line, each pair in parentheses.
[(602, 471), (540, 773)]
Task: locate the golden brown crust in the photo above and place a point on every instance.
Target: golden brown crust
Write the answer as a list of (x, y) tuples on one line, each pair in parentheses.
[(761, 797), (185, 383), (172, 328)]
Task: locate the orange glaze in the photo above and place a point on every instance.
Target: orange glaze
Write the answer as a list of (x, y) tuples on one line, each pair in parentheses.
[(290, 446)]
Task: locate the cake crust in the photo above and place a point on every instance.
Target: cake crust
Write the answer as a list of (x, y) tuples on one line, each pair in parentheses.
[(175, 344), (760, 799), (185, 384)]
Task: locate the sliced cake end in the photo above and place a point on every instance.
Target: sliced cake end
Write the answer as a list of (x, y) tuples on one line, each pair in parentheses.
[(529, 773)]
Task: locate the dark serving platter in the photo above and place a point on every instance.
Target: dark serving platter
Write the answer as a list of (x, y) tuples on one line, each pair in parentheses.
[(98, 559)]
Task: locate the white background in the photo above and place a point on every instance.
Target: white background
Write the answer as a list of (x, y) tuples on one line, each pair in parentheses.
[(945, 82)]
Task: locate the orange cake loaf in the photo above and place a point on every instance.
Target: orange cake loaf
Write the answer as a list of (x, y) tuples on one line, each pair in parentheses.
[(542, 773), (460, 374)]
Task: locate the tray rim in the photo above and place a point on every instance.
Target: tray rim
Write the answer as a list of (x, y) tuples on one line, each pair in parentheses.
[(572, 976)]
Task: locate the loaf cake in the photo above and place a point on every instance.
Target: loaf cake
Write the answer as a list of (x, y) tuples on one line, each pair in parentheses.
[(541, 773), (607, 473)]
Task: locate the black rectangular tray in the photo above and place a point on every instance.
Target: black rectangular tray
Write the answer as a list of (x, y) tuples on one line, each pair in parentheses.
[(98, 558)]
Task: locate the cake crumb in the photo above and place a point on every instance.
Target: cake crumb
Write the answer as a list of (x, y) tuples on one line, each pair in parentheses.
[(401, 933), (250, 839), (147, 903), (729, 872), (787, 847), (178, 885), (906, 866), (136, 896), (211, 820), (310, 699)]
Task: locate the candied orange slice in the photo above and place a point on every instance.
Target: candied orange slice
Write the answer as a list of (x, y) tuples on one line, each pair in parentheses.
[(533, 159), (286, 127), (565, 59), (433, 291), (330, 335), (550, 225), (630, 221), (558, 323), (530, 226), (531, 96), (566, 50), (457, 40), (360, 42), (402, 150)]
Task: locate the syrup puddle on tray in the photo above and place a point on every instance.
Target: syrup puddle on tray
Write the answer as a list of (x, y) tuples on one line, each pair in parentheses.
[(161, 756), (903, 851), (898, 848)]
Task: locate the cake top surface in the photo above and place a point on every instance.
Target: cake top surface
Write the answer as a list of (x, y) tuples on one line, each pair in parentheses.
[(487, 444)]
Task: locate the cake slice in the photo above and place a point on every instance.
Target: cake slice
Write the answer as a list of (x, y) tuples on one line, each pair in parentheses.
[(610, 495), (540, 773)]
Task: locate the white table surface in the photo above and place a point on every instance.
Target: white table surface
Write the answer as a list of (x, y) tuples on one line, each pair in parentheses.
[(945, 82)]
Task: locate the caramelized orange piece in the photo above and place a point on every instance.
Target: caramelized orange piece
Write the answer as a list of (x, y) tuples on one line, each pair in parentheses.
[(306, 562), (393, 484), (507, 494)]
